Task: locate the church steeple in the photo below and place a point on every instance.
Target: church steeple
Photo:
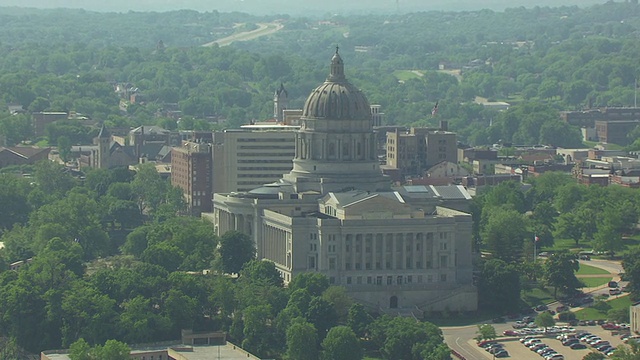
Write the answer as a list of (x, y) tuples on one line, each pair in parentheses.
[(280, 103), (337, 68)]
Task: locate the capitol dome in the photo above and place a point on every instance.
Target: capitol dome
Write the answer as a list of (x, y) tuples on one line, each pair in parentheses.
[(337, 98)]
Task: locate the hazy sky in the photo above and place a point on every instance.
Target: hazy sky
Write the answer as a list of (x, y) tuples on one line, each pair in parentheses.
[(294, 7)]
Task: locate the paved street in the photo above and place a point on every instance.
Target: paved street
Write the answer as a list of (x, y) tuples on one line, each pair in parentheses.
[(461, 339)]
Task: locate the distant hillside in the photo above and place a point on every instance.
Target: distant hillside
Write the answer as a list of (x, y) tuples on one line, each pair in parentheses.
[(292, 7)]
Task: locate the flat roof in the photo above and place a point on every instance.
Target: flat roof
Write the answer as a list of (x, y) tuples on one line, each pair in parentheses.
[(222, 352)]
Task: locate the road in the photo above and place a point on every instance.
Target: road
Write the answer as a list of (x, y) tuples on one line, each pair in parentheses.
[(460, 338), (262, 30)]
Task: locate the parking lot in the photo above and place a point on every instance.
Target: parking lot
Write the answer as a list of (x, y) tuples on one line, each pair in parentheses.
[(519, 351)]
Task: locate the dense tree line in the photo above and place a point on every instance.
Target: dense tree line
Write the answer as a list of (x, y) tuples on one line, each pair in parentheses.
[(546, 59), (511, 222)]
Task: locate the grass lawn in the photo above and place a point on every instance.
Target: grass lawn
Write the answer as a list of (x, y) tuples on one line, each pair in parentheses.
[(595, 281), (537, 296), (567, 244), (405, 75), (591, 270), (593, 314), (462, 319)]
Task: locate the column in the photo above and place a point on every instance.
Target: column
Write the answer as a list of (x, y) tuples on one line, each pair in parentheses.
[(374, 252), (404, 251), (394, 258)]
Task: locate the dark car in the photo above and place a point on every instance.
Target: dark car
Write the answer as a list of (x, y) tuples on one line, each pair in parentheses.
[(613, 284), (541, 308), (501, 354), (577, 346)]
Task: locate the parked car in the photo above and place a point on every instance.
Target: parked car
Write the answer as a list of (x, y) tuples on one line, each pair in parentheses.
[(501, 354), (615, 291), (577, 346), (613, 284)]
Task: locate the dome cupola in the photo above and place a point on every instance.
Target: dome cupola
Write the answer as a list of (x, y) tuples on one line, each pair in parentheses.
[(337, 98)]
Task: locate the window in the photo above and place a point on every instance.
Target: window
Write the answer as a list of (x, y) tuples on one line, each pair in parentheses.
[(408, 263), (378, 266), (369, 280), (429, 278), (444, 261), (387, 265), (389, 280), (379, 280), (418, 265), (312, 262), (399, 280), (332, 263), (443, 246), (348, 280), (367, 266), (443, 277), (347, 266), (409, 279), (358, 266), (419, 279), (332, 280)]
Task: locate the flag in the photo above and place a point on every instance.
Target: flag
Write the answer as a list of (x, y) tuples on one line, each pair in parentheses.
[(536, 238), (434, 111)]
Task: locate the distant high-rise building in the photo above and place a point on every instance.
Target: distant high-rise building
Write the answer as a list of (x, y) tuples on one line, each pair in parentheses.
[(419, 149), (191, 171), (246, 158)]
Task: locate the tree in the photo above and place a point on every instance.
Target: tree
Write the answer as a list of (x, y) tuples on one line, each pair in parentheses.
[(257, 332), (631, 266), (80, 350), (569, 227), (337, 295), (559, 272), (341, 344), (301, 341), (618, 315), (504, 232), (359, 319), (594, 356), (112, 350), (322, 314), (627, 352), (499, 286), (486, 332), (545, 320), (234, 250), (261, 271), (404, 338), (506, 193), (314, 283), (64, 147)]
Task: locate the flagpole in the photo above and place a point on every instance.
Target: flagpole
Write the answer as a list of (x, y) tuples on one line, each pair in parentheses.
[(535, 248), (635, 93)]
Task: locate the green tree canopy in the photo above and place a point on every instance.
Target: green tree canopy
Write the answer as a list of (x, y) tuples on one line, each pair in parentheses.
[(341, 344)]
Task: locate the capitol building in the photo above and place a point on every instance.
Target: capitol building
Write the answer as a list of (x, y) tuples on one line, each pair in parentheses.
[(393, 249)]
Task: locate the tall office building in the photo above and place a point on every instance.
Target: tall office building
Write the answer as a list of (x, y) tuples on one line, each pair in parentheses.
[(246, 158), (191, 171)]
